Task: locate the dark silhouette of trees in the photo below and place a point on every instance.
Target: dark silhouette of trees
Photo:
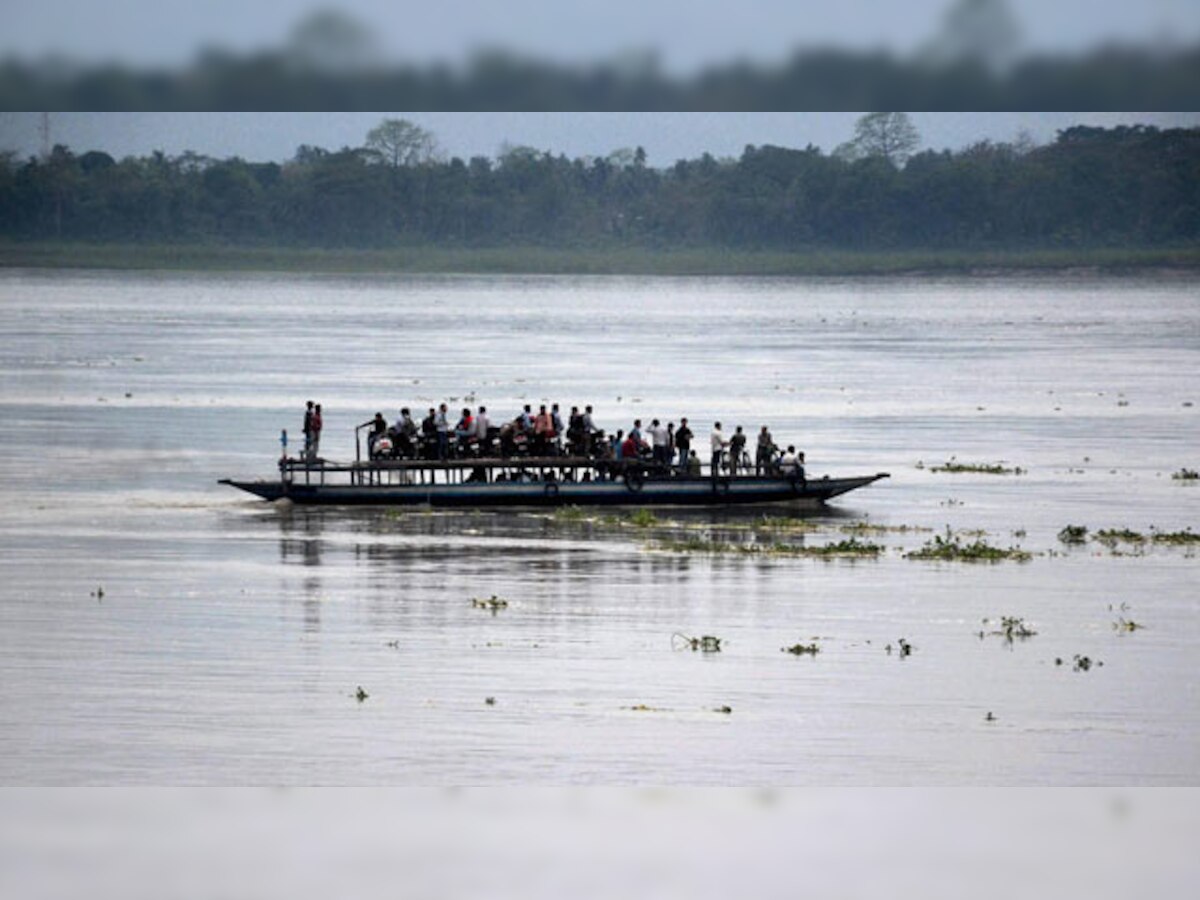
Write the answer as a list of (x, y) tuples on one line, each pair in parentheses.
[(887, 135), (1092, 187)]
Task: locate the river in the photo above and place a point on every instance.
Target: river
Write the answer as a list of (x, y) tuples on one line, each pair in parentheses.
[(158, 628)]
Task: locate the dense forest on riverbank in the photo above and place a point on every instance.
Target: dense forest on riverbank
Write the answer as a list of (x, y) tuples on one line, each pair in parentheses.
[(1092, 189)]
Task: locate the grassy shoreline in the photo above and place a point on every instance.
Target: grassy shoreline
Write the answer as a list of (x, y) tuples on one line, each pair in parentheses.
[(522, 260)]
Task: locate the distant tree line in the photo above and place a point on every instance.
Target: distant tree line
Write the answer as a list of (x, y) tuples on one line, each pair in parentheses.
[(833, 79), (1090, 187)]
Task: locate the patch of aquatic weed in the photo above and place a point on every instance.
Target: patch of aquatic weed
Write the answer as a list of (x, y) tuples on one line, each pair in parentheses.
[(954, 467), (1012, 628), (1110, 537), (706, 643), (1186, 474), (1185, 538), (643, 518), (785, 523), (1073, 534), (851, 547), (862, 529), (802, 649), (639, 518), (952, 548), (570, 514)]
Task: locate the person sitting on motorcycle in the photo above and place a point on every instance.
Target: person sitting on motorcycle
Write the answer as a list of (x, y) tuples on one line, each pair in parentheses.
[(405, 434), (378, 430), (466, 426)]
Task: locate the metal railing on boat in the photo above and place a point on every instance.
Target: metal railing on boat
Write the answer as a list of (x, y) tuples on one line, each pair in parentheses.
[(455, 471), (486, 470)]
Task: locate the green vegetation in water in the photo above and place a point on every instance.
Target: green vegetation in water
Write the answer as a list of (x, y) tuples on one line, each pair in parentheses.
[(851, 547), (866, 528), (1186, 475), (707, 643), (1011, 628), (640, 518), (360, 695), (903, 648), (492, 603), (1073, 534), (1124, 625), (952, 549), (954, 467), (696, 545), (784, 523), (570, 514), (643, 518), (1113, 536), (802, 649), (1187, 537)]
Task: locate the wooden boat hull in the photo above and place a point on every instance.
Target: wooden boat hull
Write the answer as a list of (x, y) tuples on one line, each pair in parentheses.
[(651, 492)]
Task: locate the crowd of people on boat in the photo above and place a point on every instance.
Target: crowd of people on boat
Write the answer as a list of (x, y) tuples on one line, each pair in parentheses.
[(440, 435)]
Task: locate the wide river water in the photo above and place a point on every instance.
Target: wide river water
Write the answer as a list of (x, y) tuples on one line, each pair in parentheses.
[(158, 628)]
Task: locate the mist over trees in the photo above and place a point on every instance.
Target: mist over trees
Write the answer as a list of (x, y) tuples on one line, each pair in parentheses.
[(1092, 187)]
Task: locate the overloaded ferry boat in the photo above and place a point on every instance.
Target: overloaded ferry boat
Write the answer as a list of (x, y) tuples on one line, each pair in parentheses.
[(534, 481), (524, 463)]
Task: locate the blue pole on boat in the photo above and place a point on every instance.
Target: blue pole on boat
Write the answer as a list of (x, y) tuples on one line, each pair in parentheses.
[(283, 441)]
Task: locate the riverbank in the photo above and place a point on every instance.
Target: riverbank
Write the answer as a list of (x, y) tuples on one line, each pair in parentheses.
[(586, 261)]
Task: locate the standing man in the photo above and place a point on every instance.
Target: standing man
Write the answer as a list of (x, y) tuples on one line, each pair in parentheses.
[(308, 417), (442, 424), (316, 432), (718, 442), (589, 431), (483, 427), (658, 440), (766, 449), (683, 441), (737, 449), (557, 422)]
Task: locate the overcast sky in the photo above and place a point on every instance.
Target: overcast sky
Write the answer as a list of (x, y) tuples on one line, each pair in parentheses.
[(687, 33), (666, 136)]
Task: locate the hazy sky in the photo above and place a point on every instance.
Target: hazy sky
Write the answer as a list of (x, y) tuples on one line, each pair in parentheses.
[(666, 136), (686, 34)]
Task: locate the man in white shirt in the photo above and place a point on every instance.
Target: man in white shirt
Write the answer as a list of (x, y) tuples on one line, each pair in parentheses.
[(717, 439), (791, 465), (482, 424), (557, 422), (589, 430), (658, 439), (443, 432)]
